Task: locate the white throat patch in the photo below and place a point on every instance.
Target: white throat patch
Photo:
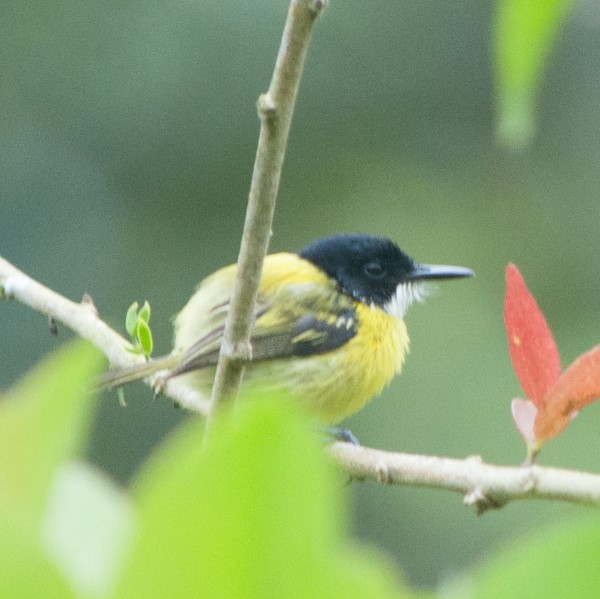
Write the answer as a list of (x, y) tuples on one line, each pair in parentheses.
[(406, 295)]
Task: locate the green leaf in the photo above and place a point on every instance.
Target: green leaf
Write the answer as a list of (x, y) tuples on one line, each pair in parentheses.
[(131, 319), (144, 337), (44, 421), (87, 528), (257, 512), (144, 313), (561, 563), (25, 571), (525, 32)]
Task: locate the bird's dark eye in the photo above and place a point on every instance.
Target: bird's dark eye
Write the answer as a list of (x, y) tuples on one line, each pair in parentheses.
[(375, 270)]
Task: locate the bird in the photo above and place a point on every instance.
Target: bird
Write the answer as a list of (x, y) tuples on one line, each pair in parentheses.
[(328, 326)]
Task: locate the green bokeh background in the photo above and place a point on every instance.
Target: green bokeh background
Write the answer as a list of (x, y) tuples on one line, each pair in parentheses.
[(127, 138)]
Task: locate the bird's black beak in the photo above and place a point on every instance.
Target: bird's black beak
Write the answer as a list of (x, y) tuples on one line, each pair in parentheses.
[(422, 272)]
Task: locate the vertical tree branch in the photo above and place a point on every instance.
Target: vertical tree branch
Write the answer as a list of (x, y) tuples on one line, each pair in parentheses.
[(275, 109)]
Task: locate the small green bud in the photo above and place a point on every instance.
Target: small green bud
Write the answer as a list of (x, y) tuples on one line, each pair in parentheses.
[(131, 319)]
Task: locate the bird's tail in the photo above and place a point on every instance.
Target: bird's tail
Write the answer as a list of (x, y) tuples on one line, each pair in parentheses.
[(117, 378)]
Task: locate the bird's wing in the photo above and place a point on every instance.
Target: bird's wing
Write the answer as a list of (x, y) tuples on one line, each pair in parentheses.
[(302, 320)]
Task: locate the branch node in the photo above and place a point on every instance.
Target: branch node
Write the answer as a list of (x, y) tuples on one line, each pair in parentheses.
[(88, 303), (384, 476), (237, 352), (8, 288), (266, 106), (482, 502), (316, 6), (530, 482), (473, 497)]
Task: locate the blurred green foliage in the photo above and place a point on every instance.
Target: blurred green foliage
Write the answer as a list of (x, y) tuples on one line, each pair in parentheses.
[(525, 33), (257, 511), (254, 514), (43, 422), (127, 135), (560, 562)]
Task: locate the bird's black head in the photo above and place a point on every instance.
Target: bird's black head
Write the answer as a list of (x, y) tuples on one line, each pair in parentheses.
[(375, 270), (368, 268)]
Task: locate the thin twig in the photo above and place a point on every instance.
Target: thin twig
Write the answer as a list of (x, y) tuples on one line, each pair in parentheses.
[(82, 318), (484, 486), (275, 109)]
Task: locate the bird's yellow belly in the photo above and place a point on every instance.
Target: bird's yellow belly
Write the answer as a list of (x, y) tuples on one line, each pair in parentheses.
[(333, 385), (363, 367)]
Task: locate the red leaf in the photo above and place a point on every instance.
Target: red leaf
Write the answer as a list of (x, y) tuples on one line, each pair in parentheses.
[(531, 345), (578, 386)]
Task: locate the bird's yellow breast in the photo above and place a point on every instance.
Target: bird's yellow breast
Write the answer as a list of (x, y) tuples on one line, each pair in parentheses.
[(336, 384), (365, 365), (378, 351)]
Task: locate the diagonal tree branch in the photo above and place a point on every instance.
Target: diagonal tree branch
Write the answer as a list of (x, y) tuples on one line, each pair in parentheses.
[(83, 319), (484, 486), (275, 109)]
